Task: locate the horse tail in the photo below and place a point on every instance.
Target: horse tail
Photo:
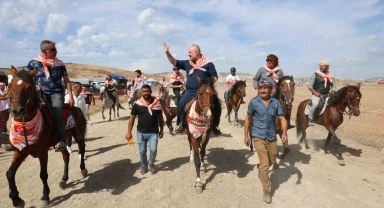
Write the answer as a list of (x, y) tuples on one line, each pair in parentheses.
[(298, 121)]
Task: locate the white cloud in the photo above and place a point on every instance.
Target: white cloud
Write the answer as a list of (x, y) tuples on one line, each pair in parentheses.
[(262, 43), (84, 31), (376, 50), (161, 28), (145, 15), (261, 55), (56, 24), (21, 44)]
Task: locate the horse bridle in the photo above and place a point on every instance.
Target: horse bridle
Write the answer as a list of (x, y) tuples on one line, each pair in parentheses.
[(347, 100), (285, 97)]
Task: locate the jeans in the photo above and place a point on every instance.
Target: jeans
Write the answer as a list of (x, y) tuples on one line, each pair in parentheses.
[(184, 100), (315, 103), (227, 93), (150, 140), (57, 102)]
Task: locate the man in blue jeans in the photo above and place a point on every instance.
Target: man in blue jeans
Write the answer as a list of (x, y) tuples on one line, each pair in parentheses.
[(197, 66), (49, 73), (150, 120), (262, 112)]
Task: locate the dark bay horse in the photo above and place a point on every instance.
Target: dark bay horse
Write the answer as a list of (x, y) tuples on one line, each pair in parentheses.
[(25, 109), (285, 91), (110, 100), (237, 92), (199, 122), (170, 112), (348, 96)]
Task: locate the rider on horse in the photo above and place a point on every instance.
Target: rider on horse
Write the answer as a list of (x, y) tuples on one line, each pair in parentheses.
[(270, 72), (197, 66), (231, 80), (164, 84), (177, 83), (321, 83), (140, 80), (49, 72), (110, 84)]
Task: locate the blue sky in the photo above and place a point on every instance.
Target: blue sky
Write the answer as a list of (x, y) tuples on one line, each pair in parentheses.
[(241, 33)]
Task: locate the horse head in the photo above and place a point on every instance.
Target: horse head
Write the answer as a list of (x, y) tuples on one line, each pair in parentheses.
[(239, 88), (287, 90), (205, 95), (22, 91), (349, 96)]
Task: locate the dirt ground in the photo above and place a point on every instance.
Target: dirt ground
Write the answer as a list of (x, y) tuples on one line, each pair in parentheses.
[(305, 179)]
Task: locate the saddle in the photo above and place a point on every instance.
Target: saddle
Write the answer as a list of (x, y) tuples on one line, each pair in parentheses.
[(172, 101), (320, 108)]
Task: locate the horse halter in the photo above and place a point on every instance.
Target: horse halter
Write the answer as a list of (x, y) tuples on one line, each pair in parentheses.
[(285, 97), (242, 92), (31, 95), (203, 105), (347, 101)]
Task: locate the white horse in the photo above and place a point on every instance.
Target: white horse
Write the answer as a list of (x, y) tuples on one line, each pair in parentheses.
[(109, 100)]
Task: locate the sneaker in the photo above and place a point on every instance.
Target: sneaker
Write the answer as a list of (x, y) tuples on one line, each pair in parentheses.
[(69, 149), (311, 122), (152, 169), (179, 129), (267, 198), (216, 131), (143, 171), (60, 146)]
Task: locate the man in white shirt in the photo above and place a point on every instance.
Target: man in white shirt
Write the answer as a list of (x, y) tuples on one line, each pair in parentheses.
[(79, 101), (140, 80), (163, 83), (231, 80)]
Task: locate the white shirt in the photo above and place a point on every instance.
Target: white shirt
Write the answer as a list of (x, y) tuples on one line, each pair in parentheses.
[(232, 79), (78, 102), (4, 104), (164, 83), (138, 85)]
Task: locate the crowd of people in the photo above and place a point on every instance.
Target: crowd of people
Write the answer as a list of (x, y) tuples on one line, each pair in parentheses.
[(260, 119)]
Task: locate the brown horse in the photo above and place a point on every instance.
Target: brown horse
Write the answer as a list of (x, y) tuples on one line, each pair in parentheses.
[(348, 96), (169, 111), (199, 122), (285, 92), (237, 92), (24, 108)]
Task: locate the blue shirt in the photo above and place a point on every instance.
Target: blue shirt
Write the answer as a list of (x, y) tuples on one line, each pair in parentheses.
[(192, 84), (264, 118), (52, 85)]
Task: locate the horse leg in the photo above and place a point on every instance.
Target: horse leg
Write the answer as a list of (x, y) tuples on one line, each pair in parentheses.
[(110, 113), (286, 149), (18, 158), (190, 150), (326, 143), (337, 142), (114, 111), (102, 111), (202, 151), (43, 158), (229, 110), (80, 140), (64, 179), (169, 125), (236, 118), (198, 184)]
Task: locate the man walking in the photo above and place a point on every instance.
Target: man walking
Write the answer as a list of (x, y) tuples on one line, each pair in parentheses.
[(150, 120), (263, 111)]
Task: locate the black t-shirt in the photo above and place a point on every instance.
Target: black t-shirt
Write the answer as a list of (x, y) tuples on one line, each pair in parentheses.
[(147, 123)]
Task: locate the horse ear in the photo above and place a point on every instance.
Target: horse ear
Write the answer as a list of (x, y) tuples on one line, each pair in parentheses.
[(245, 80), (198, 79), (358, 85), (14, 72), (32, 73)]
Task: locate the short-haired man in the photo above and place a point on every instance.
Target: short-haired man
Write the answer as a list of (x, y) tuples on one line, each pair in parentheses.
[(50, 71), (263, 111), (140, 80), (150, 120)]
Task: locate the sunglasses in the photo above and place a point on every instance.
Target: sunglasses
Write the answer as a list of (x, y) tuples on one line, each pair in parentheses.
[(52, 49), (269, 60)]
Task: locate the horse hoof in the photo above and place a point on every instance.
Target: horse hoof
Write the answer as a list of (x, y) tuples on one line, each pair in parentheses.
[(285, 153), (103, 118), (199, 187), (44, 203), (62, 184), (19, 204), (84, 173), (341, 162)]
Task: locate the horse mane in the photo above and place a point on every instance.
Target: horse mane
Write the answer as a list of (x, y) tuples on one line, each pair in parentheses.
[(284, 77), (334, 99), (236, 85), (24, 75), (206, 82)]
